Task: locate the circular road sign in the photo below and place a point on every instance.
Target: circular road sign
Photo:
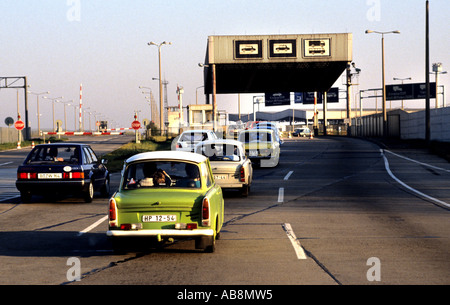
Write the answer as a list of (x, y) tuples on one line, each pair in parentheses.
[(19, 125), (9, 121), (136, 125)]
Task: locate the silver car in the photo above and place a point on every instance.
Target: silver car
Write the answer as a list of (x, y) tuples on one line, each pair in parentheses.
[(188, 139), (230, 166)]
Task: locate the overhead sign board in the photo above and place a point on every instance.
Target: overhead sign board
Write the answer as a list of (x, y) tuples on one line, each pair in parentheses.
[(283, 48), (307, 98), (415, 91), (316, 47), (278, 99), (248, 49), (275, 63)]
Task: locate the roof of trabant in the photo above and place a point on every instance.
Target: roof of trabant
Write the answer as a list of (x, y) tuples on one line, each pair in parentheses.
[(167, 155)]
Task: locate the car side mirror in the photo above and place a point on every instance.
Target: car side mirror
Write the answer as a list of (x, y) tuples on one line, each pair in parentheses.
[(104, 161)]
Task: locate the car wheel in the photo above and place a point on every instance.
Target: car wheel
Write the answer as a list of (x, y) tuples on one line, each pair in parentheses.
[(245, 190), (89, 194)]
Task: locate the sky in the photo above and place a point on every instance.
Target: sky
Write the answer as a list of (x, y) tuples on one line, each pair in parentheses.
[(102, 44)]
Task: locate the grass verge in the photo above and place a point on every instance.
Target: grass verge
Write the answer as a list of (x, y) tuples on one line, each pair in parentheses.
[(117, 157)]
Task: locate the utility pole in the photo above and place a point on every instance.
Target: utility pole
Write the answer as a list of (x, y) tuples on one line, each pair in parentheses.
[(427, 76)]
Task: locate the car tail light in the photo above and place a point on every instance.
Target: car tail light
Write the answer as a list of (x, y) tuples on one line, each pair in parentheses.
[(179, 145), (112, 210), (73, 175), (242, 178), (26, 176), (205, 212)]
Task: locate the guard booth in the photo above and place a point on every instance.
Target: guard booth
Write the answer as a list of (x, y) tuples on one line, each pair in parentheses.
[(274, 63)]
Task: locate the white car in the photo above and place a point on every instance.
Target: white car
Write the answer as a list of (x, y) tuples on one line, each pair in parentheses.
[(189, 138), (230, 166)]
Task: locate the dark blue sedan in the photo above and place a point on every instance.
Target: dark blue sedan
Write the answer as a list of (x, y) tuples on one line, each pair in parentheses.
[(62, 168)]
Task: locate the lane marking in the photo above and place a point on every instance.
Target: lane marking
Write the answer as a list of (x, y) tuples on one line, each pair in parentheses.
[(294, 241), (6, 163), (418, 162), (92, 226), (288, 175), (281, 195), (386, 164)]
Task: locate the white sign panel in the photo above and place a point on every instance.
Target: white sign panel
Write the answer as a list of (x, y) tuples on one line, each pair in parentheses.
[(316, 47)]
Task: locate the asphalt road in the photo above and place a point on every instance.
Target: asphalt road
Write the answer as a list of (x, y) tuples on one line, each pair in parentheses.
[(336, 211)]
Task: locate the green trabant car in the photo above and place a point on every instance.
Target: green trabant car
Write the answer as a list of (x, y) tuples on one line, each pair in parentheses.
[(167, 195)]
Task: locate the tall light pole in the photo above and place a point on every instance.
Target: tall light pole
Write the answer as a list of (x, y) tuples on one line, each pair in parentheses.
[(383, 78), (161, 115), (53, 108), (437, 69), (38, 114)]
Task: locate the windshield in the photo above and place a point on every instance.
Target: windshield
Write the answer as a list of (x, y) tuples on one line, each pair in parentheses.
[(220, 152), (162, 174), (194, 137), (55, 154), (248, 137)]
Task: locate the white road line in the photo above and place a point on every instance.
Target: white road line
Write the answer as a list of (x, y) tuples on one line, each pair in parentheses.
[(281, 195), (418, 162), (288, 175), (92, 226), (5, 163), (294, 241), (386, 164)]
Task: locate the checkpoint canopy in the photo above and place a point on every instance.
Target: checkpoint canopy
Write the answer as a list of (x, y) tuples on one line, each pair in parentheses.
[(275, 63)]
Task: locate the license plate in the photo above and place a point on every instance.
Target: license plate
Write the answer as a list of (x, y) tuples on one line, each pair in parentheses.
[(220, 177), (253, 153), (50, 176), (159, 218)]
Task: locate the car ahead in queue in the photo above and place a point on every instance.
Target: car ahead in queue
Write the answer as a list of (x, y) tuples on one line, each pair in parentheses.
[(261, 146), (188, 139), (62, 168), (230, 166), (167, 195), (302, 132)]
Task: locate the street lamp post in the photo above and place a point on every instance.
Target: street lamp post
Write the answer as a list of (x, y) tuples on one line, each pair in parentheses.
[(437, 69), (161, 115), (53, 108), (38, 114), (385, 127)]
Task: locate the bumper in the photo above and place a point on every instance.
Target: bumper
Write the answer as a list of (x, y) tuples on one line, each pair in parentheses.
[(45, 187), (155, 233)]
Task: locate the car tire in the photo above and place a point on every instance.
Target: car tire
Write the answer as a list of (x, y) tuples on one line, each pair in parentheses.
[(207, 243), (245, 190), (89, 194)]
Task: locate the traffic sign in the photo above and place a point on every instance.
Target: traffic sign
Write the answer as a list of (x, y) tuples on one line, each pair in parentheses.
[(409, 91), (19, 125), (136, 125), (9, 121)]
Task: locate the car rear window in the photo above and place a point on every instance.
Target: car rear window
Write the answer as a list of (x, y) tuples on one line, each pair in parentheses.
[(54, 154), (248, 137), (161, 174), (194, 137), (220, 152)]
